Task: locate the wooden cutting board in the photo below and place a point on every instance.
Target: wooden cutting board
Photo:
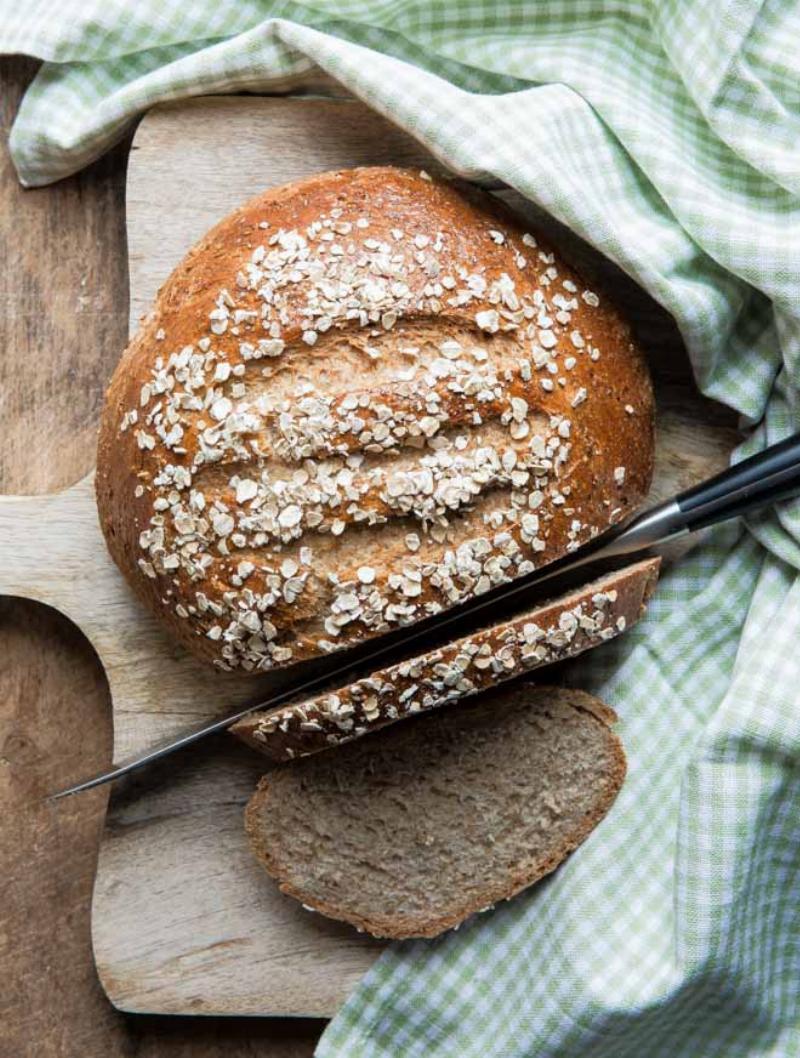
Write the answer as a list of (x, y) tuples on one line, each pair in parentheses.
[(183, 920)]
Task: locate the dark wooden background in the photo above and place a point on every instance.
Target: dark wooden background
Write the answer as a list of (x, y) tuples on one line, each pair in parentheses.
[(63, 325)]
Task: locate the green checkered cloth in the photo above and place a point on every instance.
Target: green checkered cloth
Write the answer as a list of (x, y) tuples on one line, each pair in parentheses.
[(667, 134)]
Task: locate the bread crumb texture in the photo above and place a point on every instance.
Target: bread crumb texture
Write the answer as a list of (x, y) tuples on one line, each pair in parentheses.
[(408, 832), (359, 400)]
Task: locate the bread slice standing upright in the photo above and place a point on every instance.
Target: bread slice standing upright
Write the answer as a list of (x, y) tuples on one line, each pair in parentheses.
[(549, 632)]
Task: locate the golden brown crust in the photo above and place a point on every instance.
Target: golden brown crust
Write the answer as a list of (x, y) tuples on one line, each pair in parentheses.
[(266, 524), (553, 631), (399, 926)]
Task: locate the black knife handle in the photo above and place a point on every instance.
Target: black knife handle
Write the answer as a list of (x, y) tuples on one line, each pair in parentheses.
[(763, 479)]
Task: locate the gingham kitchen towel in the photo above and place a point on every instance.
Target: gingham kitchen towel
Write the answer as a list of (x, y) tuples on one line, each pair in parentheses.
[(666, 133)]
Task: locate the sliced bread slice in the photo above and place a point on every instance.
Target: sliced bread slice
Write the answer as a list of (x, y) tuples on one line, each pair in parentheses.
[(409, 831), (550, 632)]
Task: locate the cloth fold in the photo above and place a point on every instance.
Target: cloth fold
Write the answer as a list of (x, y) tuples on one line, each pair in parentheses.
[(666, 134)]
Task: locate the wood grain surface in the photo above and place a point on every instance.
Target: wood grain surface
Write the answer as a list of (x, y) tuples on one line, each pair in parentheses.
[(63, 323), (156, 879), (183, 920)]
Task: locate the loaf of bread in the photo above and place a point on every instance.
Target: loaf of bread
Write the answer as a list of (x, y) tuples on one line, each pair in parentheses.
[(361, 399), (551, 632), (409, 831)]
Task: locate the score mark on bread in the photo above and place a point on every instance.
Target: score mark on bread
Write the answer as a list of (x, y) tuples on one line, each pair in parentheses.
[(361, 399)]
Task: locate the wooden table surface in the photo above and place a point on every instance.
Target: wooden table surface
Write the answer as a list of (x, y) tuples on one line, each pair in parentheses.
[(62, 327)]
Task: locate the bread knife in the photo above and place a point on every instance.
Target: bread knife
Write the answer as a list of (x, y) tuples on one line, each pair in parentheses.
[(761, 480)]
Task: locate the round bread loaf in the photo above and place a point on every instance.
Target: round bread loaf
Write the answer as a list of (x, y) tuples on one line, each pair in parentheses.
[(360, 399)]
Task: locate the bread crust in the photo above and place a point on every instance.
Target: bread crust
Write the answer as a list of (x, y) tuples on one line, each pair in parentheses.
[(551, 632), (210, 453), (399, 926)]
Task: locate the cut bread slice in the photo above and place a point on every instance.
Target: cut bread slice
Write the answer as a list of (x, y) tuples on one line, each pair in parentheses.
[(409, 831), (550, 632)]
